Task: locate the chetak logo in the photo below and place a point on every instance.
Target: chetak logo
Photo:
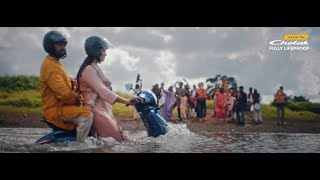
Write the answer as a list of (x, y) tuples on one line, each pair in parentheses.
[(282, 42), (291, 42)]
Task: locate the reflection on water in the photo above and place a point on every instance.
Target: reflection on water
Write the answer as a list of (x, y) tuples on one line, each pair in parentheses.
[(178, 140)]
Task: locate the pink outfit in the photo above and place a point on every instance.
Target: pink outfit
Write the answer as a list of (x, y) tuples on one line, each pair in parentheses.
[(183, 106), (223, 105), (217, 109), (95, 88), (220, 105)]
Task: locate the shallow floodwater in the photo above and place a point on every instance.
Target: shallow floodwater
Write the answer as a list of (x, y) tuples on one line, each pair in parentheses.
[(179, 139)]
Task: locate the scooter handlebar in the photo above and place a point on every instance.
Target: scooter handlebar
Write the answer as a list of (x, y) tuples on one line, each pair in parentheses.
[(132, 101)]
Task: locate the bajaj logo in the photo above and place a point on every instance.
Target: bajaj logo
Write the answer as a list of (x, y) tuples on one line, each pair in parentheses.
[(291, 42)]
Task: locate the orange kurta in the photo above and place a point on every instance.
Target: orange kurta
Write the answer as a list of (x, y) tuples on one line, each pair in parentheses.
[(58, 100)]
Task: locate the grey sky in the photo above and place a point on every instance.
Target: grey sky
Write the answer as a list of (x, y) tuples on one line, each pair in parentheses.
[(171, 53)]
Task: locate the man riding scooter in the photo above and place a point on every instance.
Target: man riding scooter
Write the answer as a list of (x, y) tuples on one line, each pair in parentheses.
[(60, 105)]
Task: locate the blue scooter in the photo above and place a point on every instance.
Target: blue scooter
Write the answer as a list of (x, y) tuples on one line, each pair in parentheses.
[(146, 104), (57, 135)]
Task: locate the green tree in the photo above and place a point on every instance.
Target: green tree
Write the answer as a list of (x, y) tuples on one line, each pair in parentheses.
[(214, 83), (300, 99)]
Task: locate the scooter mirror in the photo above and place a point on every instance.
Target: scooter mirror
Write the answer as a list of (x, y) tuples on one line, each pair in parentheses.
[(129, 86)]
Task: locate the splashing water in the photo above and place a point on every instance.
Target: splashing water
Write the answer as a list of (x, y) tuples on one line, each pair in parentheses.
[(179, 139)]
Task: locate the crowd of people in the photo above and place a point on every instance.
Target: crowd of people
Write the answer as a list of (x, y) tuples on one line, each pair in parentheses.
[(228, 104)]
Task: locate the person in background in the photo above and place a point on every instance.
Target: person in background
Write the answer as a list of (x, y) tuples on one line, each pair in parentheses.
[(217, 99), (162, 97), (280, 100), (234, 94), (168, 105), (193, 101), (183, 105), (257, 112), (187, 93), (156, 90), (230, 105), (250, 103), (241, 106), (201, 96), (178, 96)]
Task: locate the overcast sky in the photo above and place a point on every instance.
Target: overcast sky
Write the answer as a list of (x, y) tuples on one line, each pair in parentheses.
[(169, 54)]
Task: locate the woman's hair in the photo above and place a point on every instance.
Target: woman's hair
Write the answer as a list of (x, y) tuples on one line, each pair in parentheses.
[(85, 63)]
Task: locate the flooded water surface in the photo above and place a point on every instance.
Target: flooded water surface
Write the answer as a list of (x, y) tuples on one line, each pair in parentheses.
[(179, 139)]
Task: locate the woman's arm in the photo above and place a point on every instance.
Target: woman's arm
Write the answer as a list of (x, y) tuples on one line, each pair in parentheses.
[(123, 101)]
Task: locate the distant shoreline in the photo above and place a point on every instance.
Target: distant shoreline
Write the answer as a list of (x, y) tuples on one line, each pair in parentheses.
[(33, 121), (268, 126), (203, 127)]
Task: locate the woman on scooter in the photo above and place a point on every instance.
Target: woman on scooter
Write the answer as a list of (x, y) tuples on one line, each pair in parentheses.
[(95, 88)]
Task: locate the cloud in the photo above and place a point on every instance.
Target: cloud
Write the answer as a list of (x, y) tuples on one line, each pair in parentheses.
[(309, 75), (170, 54), (117, 55), (166, 37), (166, 65)]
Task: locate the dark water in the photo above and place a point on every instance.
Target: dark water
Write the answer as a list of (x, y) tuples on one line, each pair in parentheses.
[(179, 139)]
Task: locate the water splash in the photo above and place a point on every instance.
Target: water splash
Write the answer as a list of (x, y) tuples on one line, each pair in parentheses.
[(179, 139)]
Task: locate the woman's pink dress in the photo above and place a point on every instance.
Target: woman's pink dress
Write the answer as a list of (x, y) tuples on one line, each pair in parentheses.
[(97, 95)]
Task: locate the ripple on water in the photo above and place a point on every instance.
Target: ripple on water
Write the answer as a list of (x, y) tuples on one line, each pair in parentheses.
[(179, 139)]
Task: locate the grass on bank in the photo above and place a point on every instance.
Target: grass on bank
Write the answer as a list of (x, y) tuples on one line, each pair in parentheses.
[(29, 102)]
